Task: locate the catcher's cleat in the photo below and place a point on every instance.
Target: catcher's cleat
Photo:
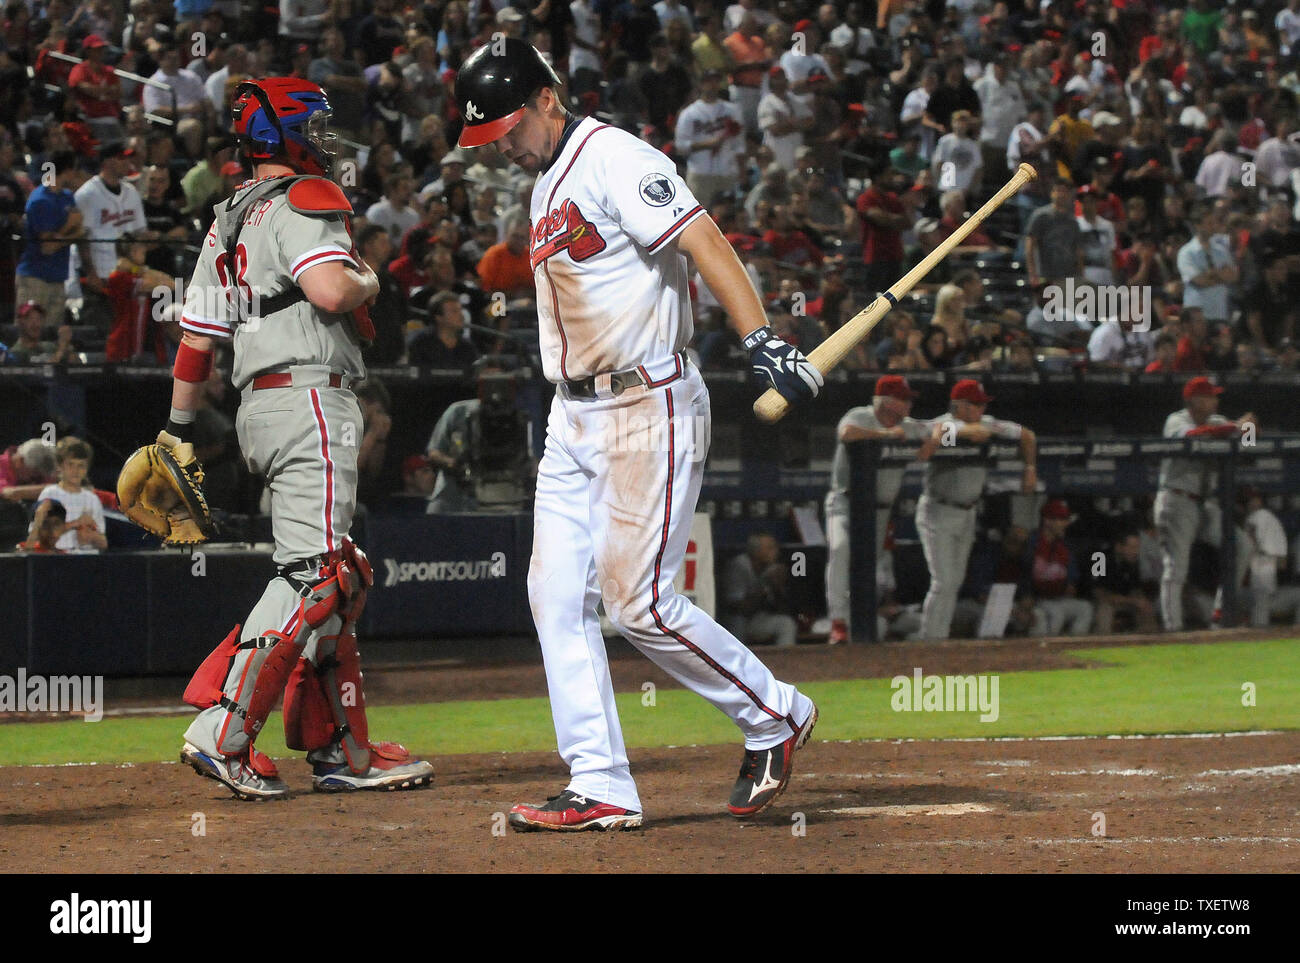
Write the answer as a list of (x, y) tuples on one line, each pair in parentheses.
[(568, 812), (251, 775), (764, 773), (391, 768)]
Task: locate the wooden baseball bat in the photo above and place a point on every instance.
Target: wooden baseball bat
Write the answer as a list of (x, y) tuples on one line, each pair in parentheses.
[(771, 406)]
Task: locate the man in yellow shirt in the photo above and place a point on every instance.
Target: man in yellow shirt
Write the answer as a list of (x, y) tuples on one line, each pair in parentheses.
[(707, 49), (1067, 134)]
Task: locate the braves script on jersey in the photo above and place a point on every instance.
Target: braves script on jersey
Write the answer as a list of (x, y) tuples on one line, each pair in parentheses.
[(276, 245), (611, 288), (108, 214)]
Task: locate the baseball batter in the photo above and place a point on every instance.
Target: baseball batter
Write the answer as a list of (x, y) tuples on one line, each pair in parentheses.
[(887, 418), (1186, 501), (946, 510), (627, 431), (279, 277)]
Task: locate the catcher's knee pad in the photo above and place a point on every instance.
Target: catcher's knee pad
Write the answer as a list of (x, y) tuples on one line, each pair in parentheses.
[(326, 703), (335, 583)]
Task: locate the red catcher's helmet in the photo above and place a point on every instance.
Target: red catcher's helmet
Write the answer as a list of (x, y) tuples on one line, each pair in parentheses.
[(285, 118)]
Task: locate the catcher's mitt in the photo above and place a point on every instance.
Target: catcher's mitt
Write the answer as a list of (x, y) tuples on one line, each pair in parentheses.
[(160, 490)]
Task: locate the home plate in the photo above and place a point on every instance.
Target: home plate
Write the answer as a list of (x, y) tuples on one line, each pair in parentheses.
[(943, 809)]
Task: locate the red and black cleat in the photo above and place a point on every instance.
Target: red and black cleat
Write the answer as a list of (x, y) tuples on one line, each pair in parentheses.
[(568, 812), (764, 773)]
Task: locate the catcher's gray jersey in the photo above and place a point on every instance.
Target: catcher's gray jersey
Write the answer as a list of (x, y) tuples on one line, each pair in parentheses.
[(276, 245)]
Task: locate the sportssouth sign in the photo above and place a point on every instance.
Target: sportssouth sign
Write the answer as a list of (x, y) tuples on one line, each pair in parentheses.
[(397, 572)]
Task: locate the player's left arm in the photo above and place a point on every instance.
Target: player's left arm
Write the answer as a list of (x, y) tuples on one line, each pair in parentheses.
[(780, 365)]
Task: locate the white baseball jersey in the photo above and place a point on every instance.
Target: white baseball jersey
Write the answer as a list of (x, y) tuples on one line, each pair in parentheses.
[(108, 214), (701, 121), (611, 288), (1192, 475), (278, 244)]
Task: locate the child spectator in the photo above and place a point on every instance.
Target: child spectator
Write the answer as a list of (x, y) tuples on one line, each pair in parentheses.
[(84, 530), (45, 536)]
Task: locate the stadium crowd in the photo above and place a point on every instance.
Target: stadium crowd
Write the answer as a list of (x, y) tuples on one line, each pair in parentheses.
[(834, 143)]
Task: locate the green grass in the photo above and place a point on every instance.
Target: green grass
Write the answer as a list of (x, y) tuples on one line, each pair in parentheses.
[(1138, 689)]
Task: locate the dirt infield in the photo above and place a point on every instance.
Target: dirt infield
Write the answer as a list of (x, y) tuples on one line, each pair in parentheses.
[(1182, 804), (1216, 804)]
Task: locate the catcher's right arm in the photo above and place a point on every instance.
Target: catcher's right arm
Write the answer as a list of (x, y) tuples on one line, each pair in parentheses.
[(160, 489)]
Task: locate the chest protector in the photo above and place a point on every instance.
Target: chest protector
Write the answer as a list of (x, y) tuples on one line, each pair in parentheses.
[(307, 194)]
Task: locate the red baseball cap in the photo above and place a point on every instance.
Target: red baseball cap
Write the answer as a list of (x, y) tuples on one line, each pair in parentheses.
[(28, 307), (1201, 385), (968, 389), (92, 41), (1056, 508), (894, 386), (802, 25), (413, 463), (231, 169)]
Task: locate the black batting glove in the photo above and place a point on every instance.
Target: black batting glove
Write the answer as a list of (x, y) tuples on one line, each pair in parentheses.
[(777, 364)]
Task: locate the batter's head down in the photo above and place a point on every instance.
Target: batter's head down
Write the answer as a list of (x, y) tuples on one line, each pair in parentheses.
[(494, 85)]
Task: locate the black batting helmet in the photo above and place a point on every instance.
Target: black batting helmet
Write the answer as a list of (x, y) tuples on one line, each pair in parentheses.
[(493, 85)]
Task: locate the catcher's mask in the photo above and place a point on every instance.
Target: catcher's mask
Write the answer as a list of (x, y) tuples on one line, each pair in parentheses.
[(285, 117)]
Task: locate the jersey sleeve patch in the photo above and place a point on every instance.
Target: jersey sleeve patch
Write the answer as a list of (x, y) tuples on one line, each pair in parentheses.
[(318, 197), (319, 255)]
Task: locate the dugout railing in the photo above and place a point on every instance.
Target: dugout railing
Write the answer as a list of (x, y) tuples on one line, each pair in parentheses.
[(1069, 466)]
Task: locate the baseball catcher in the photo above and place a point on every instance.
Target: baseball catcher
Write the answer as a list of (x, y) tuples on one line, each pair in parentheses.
[(279, 277)]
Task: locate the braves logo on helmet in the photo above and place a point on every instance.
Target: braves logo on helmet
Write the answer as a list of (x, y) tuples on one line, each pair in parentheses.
[(284, 118), (472, 113)]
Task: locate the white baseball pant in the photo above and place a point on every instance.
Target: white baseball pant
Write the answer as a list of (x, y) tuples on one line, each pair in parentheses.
[(616, 489)]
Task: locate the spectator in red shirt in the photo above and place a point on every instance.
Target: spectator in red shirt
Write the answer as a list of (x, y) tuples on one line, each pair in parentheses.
[(1166, 354), (1191, 347), (97, 91), (409, 269), (953, 205), (129, 288), (884, 218), (788, 243)]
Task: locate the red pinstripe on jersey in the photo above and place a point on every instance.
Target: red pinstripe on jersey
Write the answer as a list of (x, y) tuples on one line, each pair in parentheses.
[(329, 469)]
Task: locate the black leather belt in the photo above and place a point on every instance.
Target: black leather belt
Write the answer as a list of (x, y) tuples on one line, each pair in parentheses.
[(620, 381)]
